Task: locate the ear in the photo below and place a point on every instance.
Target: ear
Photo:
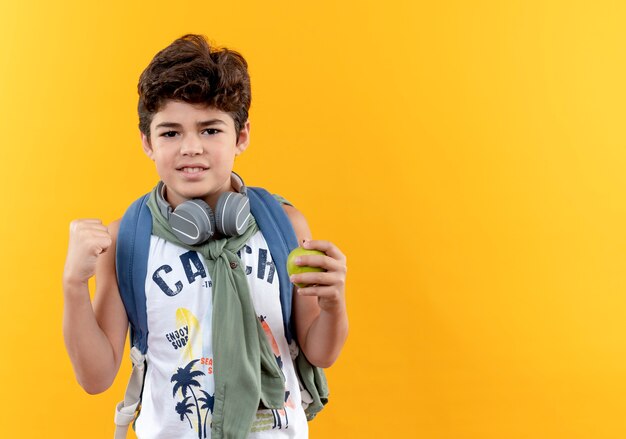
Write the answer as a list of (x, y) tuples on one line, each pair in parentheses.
[(244, 138), (147, 147)]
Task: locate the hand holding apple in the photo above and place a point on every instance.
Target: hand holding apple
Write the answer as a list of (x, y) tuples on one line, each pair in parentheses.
[(292, 268), (319, 269)]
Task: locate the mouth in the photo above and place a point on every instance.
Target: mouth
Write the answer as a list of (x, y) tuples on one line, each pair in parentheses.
[(193, 169)]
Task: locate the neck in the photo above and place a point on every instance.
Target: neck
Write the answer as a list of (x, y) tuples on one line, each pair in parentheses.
[(232, 185)]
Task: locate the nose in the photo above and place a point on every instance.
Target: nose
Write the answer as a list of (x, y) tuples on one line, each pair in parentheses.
[(191, 145)]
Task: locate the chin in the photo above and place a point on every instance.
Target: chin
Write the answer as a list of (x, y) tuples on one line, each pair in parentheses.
[(187, 192), (195, 194)]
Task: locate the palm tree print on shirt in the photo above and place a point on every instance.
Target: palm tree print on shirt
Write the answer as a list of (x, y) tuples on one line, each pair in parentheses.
[(183, 409), (208, 401), (185, 380)]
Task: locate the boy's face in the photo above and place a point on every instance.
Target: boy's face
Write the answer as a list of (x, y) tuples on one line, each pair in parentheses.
[(194, 149)]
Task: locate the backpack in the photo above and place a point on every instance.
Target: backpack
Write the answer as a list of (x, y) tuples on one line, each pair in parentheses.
[(133, 245)]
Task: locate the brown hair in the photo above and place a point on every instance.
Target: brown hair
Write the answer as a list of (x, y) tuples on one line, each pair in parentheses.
[(192, 71)]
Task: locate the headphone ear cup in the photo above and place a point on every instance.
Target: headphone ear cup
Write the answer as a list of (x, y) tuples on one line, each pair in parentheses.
[(232, 213), (193, 222)]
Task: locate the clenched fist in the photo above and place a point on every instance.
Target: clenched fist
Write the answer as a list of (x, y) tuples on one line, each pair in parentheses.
[(89, 238)]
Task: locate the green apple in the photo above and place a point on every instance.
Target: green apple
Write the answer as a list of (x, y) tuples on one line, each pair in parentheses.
[(292, 268)]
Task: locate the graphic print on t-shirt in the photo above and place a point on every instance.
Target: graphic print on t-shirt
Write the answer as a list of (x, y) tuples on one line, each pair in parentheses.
[(192, 344), (193, 402), (202, 403)]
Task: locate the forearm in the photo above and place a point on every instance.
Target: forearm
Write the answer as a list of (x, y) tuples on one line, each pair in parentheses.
[(89, 349), (326, 337), (320, 307)]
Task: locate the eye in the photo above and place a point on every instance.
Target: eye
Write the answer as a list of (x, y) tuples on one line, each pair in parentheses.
[(168, 134), (211, 131)]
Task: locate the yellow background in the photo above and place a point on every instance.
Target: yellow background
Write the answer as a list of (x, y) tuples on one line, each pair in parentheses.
[(467, 157)]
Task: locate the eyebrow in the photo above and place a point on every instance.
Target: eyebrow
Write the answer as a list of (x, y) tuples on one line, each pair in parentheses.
[(200, 124)]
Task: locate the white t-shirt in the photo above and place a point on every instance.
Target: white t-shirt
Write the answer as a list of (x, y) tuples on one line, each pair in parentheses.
[(178, 392)]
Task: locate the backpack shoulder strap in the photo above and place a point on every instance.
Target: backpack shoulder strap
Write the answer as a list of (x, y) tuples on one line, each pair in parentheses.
[(281, 239), (131, 265), (131, 260)]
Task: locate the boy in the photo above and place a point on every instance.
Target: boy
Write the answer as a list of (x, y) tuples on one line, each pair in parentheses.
[(193, 118)]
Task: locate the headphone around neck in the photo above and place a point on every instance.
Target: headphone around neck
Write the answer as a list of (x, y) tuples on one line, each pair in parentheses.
[(193, 221)]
